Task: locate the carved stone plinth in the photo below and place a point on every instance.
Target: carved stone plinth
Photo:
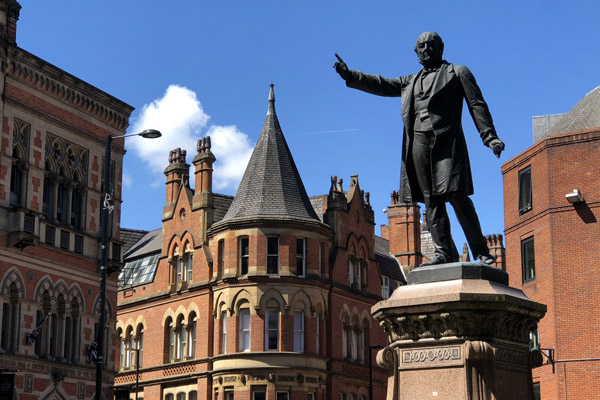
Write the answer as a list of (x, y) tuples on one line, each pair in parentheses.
[(464, 338)]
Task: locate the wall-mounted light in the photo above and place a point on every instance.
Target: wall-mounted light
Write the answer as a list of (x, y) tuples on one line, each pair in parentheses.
[(574, 197)]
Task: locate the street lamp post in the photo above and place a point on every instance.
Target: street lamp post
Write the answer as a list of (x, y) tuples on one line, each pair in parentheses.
[(371, 348), (106, 208)]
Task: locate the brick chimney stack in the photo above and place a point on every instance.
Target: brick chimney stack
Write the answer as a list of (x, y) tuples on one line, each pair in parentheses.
[(404, 230), (496, 246), (203, 170), (9, 15), (177, 173)]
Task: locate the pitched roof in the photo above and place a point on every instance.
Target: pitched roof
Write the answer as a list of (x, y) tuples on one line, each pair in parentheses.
[(151, 242), (388, 264), (584, 115), (129, 237), (271, 186)]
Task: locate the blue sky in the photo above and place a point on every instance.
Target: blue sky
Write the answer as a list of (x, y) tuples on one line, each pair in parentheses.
[(197, 67)]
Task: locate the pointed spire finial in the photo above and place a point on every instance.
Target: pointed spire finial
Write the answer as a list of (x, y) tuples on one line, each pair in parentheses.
[(271, 100)]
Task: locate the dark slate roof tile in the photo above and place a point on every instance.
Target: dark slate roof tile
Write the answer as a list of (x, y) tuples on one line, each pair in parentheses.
[(149, 243), (271, 185), (584, 115)]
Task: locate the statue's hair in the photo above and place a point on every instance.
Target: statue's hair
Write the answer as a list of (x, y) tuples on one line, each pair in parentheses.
[(435, 37)]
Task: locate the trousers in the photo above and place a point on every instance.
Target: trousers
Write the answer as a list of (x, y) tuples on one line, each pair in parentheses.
[(435, 206)]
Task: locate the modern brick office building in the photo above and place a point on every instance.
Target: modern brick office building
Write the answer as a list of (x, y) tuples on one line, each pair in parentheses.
[(551, 212), (264, 295), (54, 128)]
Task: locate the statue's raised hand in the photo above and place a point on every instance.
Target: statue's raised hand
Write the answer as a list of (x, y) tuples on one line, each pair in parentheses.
[(341, 68), (497, 146)]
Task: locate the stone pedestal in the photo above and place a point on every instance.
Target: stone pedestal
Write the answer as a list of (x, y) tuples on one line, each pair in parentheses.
[(457, 331)]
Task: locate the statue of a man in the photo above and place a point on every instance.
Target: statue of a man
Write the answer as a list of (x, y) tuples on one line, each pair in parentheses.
[(435, 163)]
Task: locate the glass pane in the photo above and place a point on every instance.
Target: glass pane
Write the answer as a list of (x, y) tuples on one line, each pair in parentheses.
[(272, 265), (273, 245)]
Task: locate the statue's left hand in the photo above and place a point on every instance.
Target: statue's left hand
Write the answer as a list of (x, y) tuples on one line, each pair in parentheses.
[(497, 146)]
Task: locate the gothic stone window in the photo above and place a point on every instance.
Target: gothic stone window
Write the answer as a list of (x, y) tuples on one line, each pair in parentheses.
[(65, 183), (19, 165)]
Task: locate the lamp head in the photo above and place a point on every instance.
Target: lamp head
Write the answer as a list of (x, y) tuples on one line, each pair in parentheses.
[(150, 134)]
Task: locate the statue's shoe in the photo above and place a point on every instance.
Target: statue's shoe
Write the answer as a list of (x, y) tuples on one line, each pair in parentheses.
[(487, 259)]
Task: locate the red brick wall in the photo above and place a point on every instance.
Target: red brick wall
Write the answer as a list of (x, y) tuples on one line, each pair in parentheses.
[(566, 245)]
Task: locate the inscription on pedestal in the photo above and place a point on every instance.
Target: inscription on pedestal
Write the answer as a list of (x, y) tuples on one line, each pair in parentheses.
[(434, 355)]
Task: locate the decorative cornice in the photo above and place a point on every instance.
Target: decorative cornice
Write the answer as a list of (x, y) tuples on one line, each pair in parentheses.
[(50, 80), (468, 323)]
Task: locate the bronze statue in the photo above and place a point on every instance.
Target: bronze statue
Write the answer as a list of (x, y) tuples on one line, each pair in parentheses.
[(435, 162)]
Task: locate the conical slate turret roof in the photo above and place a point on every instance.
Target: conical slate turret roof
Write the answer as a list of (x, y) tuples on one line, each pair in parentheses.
[(271, 186), (584, 115)]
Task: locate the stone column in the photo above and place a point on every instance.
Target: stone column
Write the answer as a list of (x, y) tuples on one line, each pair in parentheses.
[(457, 331)]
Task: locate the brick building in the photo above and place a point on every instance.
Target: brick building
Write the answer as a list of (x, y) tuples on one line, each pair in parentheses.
[(264, 295), (551, 211), (54, 127)]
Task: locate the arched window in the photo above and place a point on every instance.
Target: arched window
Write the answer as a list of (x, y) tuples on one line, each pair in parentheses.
[(299, 331), (45, 344), (244, 330), (191, 337), (272, 325), (10, 320), (345, 336), (65, 182), (223, 324), (178, 340), (354, 336), (20, 154), (169, 340), (70, 335), (182, 267), (139, 345)]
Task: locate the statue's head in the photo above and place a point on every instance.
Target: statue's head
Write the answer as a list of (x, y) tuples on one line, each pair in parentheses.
[(429, 49)]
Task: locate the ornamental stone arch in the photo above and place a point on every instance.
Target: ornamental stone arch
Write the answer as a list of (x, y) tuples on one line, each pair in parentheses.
[(168, 314), (107, 308), (76, 293), (344, 311), (187, 241), (242, 297), (174, 246), (45, 285), (120, 325), (366, 317), (363, 391), (301, 297), (192, 308), (13, 276), (275, 295), (60, 287), (140, 320), (220, 304), (181, 311)]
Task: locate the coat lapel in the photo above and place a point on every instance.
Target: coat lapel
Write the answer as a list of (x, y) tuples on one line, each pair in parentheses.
[(442, 77), (407, 101)]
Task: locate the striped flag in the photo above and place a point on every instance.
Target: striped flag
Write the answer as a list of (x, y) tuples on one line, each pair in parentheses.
[(30, 338), (92, 352)]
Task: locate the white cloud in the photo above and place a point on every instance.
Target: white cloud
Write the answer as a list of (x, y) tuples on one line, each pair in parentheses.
[(180, 117), (127, 180), (232, 150)]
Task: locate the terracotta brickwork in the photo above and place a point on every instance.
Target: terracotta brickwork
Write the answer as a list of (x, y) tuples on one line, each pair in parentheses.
[(53, 126), (565, 238), (286, 329)]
